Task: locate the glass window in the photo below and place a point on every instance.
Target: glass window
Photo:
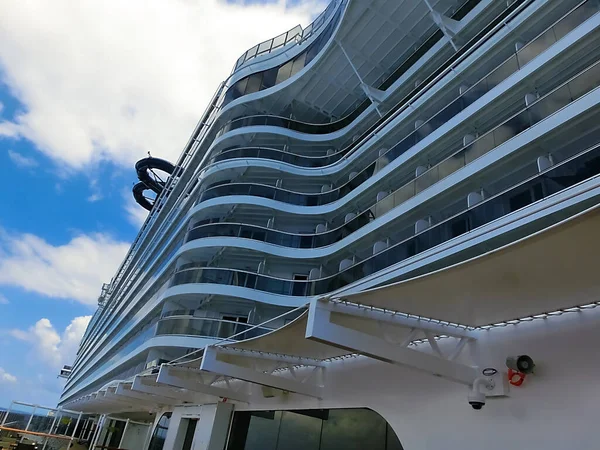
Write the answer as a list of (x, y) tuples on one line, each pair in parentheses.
[(160, 433), (298, 64), (299, 431), (315, 429), (254, 82), (239, 88), (354, 429), (284, 72), (269, 78)]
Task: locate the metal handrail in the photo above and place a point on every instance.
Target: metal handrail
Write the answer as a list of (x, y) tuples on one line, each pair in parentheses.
[(295, 35)]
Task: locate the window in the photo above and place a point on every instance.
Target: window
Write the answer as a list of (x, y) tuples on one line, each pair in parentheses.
[(189, 434), (317, 429), (254, 82), (299, 288), (160, 433), (232, 325)]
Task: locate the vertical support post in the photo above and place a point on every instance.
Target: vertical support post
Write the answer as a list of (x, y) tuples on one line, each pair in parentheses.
[(149, 435), (75, 429), (98, 431), (123, 434), (35, 407), (51, 428), (93, 431), (7, 413)]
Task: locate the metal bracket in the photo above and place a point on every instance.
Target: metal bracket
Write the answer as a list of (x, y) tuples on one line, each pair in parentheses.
[(321, 329), (212, 363), (183, 377)]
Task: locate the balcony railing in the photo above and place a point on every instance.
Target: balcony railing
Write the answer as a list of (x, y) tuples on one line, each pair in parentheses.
[(544, 184), (296, 35)]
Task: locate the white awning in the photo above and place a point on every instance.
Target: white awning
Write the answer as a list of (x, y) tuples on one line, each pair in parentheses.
[(556, 268)]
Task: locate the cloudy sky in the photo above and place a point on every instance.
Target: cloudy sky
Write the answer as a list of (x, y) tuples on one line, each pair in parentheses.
[(87, 88)]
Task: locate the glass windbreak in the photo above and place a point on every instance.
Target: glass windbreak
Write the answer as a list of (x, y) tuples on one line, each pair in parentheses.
[(465, 97), (263, 80), (323, 429), (296, 34), (538, 187), (160, 433)]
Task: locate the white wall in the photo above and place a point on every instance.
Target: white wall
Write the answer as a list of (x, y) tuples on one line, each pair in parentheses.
[(556, 408)]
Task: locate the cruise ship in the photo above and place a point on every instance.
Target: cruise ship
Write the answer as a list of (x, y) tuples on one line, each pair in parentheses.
[(383, 233)]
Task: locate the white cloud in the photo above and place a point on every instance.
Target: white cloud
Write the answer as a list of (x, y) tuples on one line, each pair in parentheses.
[(6, 377), (49, 345), (75, 270), (21, 160), (112, 80), (3, 300)]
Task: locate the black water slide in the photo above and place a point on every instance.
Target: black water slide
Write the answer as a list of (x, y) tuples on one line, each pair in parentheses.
[(153, 174)]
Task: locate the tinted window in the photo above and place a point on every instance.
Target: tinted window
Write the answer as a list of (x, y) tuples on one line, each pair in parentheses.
[(254, 82), (316, 429), (160, 433)]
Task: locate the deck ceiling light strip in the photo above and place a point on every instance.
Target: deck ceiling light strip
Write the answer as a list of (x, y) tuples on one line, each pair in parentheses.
[(277, 357), (396, 318)]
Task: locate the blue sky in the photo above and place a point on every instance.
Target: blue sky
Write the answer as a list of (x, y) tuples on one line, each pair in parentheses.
[(85, 91)]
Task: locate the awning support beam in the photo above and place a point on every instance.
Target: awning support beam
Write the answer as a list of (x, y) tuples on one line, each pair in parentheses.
[(182, 377), (151, 399), (448, 26), (211, 363), (394, 318), (321, 329), (139, 385)]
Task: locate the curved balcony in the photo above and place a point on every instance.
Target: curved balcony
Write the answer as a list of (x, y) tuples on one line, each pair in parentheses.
[(431, 122), (265, 79), (296, 35), (175, 325), (556, 179), (527, 117), (283, 195)]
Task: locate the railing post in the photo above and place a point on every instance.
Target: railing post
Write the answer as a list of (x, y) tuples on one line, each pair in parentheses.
[(7, 413), (35, 407), (123, 435), (75, 429), (51, 428)]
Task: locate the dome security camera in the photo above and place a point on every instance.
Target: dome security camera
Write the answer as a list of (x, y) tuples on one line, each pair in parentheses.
[(476, 395)]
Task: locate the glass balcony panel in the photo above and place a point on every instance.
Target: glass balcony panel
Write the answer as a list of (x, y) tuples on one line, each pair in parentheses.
[(427, 179), (264, 47), (536, 47), (451, 165), (506, 69), (405, 193), (279, 40), (585, 82), (574, 19)]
